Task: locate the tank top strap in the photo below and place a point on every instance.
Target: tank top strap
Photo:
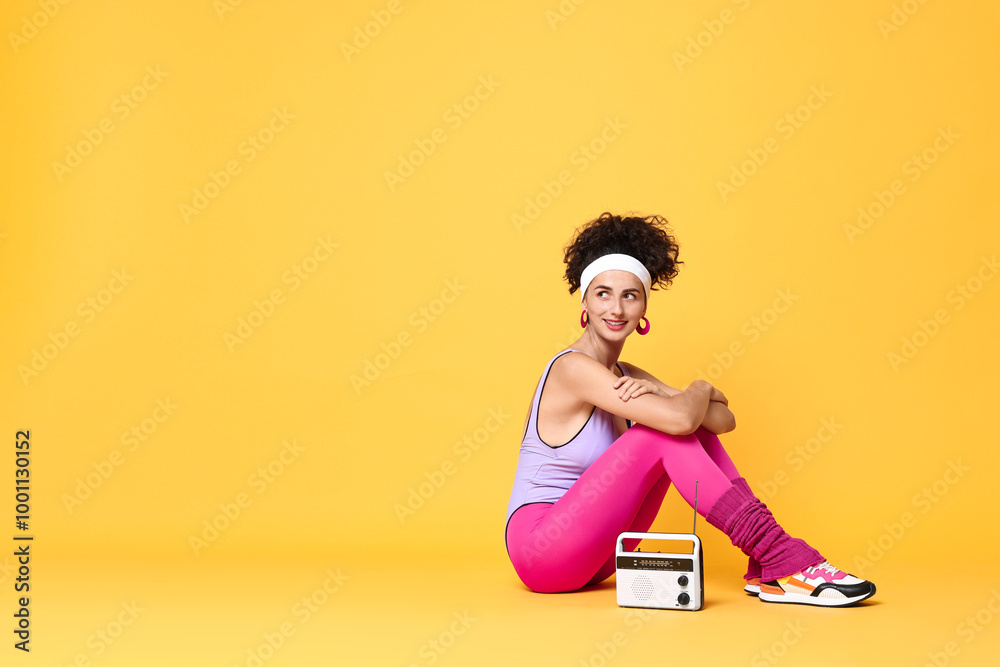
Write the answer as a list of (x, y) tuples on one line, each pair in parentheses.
[(533, 418)]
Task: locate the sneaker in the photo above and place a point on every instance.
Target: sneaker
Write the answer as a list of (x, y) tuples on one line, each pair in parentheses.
[(822, 585), (753, 586)]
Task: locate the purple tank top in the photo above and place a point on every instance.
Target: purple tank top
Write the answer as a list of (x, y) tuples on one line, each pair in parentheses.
[(544, 473)]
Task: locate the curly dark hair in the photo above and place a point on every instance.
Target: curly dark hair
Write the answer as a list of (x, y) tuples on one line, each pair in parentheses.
[(647, 239)]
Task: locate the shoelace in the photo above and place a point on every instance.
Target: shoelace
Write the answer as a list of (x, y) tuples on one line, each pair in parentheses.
[(825, 565)]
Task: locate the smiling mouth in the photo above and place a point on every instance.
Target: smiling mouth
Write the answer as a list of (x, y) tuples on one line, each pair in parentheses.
[(616, 323)]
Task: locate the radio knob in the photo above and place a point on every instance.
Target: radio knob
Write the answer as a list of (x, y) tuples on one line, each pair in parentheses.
[(683, 598), (682, 580)]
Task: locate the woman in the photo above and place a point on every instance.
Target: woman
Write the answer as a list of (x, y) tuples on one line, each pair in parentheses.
[(604, 439)]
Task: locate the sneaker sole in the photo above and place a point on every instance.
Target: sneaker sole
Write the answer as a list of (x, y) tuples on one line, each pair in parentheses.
[(752, 589), (797, 598)]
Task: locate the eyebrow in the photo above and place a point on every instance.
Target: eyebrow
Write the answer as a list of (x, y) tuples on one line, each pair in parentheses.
[(627, 289)]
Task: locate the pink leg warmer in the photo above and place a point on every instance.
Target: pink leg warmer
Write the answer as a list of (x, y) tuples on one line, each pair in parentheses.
[(753, 567), (751, 527)]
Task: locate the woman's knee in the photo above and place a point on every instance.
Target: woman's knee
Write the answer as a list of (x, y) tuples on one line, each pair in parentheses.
[(645, 433)]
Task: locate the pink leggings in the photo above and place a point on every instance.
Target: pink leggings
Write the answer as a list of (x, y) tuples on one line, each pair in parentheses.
[(563, 546)]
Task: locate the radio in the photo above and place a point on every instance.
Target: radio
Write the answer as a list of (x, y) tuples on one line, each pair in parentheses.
[(661, 580)]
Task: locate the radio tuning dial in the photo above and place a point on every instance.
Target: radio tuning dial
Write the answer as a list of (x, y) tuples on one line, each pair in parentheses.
[(683, 598), (682, 580)]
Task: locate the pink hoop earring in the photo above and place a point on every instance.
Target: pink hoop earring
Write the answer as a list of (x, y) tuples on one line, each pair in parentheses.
[(584, 322), (643, 330)]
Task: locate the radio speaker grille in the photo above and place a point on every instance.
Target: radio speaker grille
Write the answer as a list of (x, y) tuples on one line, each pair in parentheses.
[(642, 587)]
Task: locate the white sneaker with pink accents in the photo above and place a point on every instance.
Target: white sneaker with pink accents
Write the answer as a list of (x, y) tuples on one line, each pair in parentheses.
[(822, 585)]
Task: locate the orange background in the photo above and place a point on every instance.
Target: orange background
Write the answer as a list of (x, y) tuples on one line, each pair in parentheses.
[(219, 216)]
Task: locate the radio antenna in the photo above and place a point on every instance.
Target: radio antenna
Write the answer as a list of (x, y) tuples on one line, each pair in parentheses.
[(694, 525)]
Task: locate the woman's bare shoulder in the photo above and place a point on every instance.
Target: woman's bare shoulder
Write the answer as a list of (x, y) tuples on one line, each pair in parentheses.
[(573, 368)]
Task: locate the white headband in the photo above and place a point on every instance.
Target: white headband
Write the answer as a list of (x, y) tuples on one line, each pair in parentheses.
[(614, 262)]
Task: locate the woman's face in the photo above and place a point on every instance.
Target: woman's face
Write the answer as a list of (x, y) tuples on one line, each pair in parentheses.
[(615, 301)]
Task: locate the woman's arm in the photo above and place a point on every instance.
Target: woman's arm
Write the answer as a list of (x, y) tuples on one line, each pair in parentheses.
[(637, 372), (580, 376), (718, 417)]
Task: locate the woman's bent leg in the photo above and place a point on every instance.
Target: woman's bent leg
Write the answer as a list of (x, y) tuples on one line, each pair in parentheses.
[(562, 546), (718, 453), (643, 520)]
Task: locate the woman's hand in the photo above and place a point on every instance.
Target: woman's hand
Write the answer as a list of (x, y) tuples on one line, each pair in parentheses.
[(630, 387), (718, 396), (714, 393)]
